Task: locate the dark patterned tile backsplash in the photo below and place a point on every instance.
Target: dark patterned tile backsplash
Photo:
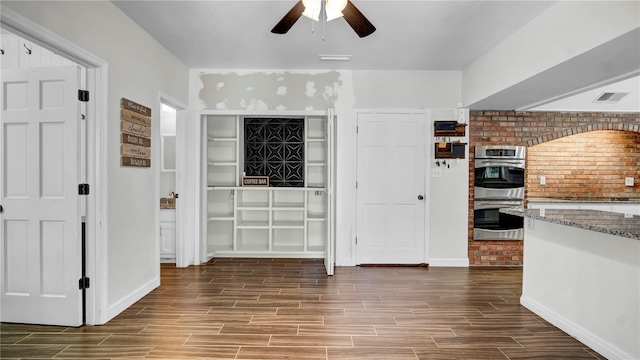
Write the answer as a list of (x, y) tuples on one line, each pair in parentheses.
[(275, 147)]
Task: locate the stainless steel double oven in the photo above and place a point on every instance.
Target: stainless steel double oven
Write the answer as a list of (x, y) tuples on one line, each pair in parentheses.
[(499, 183)]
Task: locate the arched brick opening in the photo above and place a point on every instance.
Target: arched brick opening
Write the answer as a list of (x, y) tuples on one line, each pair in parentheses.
[(631, 127), (530, 129), (590, 164)]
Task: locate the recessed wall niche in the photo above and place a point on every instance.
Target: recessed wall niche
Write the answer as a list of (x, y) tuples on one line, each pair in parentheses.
[(275, 147)]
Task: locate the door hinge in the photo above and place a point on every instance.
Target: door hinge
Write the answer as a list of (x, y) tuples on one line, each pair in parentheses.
[(83, 189), (356, 240), (356, 184), (83, 283), (83, 95)]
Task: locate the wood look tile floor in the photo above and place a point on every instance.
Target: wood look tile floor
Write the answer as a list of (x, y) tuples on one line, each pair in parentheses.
[(289, 309)]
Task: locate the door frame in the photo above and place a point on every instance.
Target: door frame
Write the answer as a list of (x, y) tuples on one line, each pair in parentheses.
[(96, 157), (183, 255), (427, 178)]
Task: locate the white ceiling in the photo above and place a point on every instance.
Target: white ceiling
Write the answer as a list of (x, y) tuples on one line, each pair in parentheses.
[(411, 35), (585, 101)]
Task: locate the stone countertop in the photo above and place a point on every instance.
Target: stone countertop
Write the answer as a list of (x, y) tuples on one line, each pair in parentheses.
[(623, 225), (572, 199)]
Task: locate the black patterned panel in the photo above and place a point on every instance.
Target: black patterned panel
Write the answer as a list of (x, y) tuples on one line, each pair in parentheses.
[(275, 147)]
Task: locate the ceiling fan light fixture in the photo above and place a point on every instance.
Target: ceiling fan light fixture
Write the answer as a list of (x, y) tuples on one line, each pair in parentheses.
[(333, 9), (312, 9)]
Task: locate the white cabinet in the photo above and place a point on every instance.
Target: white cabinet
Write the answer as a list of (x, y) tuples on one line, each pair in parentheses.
[(263, 221), (167, 235)]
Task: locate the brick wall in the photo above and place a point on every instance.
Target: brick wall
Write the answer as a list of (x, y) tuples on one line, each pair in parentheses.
[(618, 133), (589, 165)]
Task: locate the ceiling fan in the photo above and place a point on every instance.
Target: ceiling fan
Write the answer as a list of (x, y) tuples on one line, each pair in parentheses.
[(333, 9)]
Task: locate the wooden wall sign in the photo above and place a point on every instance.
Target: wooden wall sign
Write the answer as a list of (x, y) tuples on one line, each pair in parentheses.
[(135, 138)]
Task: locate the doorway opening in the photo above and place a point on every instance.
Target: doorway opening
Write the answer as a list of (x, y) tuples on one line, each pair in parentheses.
[(168, 194)]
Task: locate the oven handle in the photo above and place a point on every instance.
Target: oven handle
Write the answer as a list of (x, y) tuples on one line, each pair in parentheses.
[(489, 162), (492, 204)]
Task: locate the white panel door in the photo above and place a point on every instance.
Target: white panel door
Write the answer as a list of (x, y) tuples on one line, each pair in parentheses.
[(40, 225), (329, 255), (391, 188)]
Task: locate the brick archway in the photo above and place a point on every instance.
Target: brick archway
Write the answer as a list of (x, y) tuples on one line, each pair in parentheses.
[(631, 127), (528, 129)]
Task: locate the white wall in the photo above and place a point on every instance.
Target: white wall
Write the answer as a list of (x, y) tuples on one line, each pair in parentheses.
[(586, 283), (138, 69), (440, 93), (349, 91), (566, 30), (450, 202)]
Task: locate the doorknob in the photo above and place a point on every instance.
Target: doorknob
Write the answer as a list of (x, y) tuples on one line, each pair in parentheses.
[(1, 209), (420, 197)]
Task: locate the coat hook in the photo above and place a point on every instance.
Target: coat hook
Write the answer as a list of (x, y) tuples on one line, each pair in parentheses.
[(1, 51), (28, 50)]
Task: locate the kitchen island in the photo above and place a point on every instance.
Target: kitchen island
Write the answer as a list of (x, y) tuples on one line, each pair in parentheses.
[(582, 274)]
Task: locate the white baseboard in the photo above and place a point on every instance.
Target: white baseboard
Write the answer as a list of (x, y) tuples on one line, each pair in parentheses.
[(586, 337), (344, 261), (131, 299), (449, 262), (444, 262)]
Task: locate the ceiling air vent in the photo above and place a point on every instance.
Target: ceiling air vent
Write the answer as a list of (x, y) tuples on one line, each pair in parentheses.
[(610, 97)]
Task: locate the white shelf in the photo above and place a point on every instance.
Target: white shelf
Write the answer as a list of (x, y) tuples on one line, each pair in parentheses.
[(222, 139), (315, 217), (264, 189), (253, 206), (215, 217), (316, 128), (287, 225), (288, 248), (253, 225), (222, 163), (288, 206), (252, 248)]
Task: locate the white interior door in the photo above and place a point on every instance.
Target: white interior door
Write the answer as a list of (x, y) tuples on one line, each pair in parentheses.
[(329, 255), (40, 225), (391, 188)]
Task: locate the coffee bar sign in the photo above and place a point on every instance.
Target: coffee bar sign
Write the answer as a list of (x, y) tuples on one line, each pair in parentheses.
[(135, 149)]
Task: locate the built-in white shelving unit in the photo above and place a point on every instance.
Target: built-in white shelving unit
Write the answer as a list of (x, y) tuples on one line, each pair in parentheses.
[(263, 221)]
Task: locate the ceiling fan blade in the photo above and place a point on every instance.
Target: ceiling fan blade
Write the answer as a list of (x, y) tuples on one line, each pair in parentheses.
[(360, 24), (289, 19)]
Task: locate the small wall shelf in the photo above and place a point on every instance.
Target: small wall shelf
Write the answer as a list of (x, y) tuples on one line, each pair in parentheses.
[(450, 150), (449, 128)]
